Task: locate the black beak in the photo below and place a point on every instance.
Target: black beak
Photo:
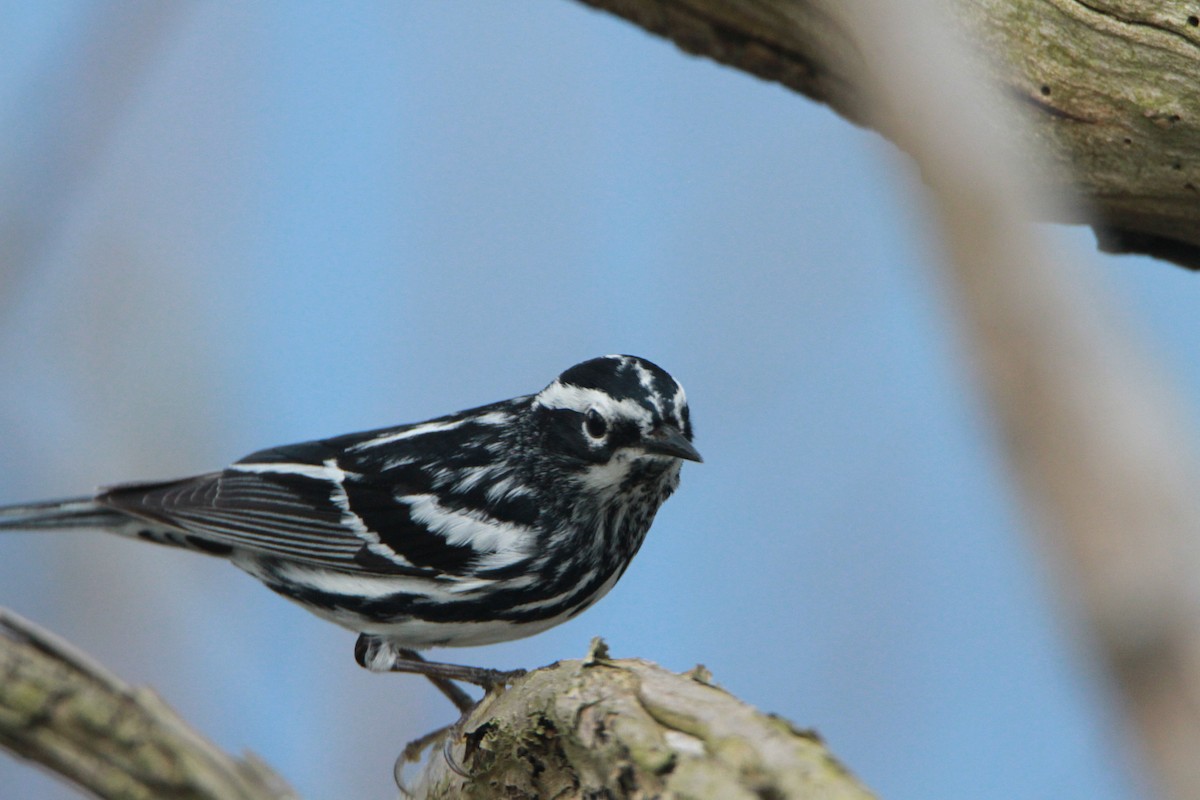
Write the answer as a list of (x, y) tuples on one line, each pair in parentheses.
[(668, 441)]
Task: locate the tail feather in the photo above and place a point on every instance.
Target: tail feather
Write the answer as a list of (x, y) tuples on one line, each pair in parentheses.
[(78, 512)]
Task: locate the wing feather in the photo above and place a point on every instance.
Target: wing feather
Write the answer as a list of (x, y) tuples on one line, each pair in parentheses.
[(283, 514), (358, 503)]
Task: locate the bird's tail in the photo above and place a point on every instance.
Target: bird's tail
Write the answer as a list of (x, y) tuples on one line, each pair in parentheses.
[(78, 512)]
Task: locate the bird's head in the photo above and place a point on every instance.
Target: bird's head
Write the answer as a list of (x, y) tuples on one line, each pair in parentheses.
[(614, 412)]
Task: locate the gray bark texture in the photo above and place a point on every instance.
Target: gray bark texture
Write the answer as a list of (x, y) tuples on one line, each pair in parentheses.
[(1111, 87)]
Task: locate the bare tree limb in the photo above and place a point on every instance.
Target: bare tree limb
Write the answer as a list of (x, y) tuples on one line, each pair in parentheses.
[(1111, 89), (63, 711)]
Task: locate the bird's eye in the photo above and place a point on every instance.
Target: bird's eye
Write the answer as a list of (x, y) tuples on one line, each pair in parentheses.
[(594, 424)]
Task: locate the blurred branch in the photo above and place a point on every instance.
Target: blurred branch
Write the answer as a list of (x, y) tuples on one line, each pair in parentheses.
[(1097, 440), (70, 715), (1109, 89), (629, 728), (65, 121)]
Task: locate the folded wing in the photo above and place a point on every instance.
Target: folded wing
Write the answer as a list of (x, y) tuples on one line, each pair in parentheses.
[(294, 512)]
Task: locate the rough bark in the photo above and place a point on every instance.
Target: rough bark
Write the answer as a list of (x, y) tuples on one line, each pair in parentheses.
[(1111, 87)]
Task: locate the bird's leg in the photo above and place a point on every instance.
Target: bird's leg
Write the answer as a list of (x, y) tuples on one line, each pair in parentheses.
[(453, 692), (379, 655)]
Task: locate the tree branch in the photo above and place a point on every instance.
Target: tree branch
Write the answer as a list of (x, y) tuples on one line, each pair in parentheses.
[(575, 729), (1110, 88), (629, 728), (63, 711)]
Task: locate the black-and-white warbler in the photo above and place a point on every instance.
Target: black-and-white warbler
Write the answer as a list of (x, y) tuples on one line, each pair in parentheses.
[(490, 524)]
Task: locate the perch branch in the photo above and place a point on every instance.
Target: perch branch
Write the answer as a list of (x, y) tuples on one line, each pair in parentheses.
[(590, 728), (628, 728)]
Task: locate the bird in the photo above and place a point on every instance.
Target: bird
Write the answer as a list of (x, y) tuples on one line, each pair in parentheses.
[(482, 526)]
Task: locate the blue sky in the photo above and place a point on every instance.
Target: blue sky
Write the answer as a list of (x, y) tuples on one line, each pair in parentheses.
[(302, 221)]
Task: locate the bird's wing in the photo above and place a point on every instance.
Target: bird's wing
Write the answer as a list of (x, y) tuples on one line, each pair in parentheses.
[(376, 502), (314, 514)]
